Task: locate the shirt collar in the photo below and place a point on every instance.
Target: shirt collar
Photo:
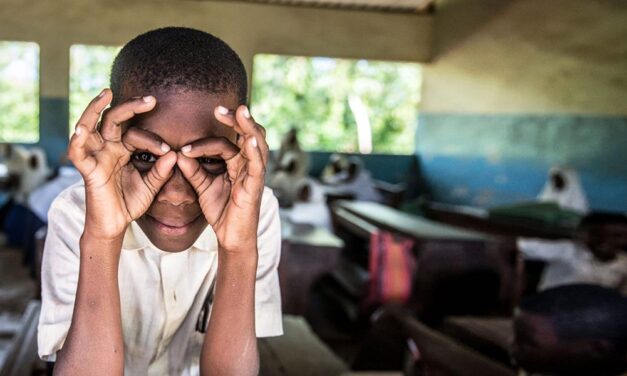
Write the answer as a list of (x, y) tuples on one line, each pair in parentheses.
[(135, 239)]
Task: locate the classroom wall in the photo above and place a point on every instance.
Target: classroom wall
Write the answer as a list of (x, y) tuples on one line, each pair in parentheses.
[(518, 86), (248, 28)]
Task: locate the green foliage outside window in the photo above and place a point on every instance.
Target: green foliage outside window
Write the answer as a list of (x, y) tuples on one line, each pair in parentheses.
[(90, 67), (19, 92), (314, 95)]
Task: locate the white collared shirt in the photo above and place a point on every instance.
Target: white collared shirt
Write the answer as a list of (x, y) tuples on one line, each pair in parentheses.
[(569, 262), (161, 293)]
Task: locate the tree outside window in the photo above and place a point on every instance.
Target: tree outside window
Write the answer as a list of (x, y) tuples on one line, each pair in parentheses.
[(90, 68), (19, 92), (357, 106)]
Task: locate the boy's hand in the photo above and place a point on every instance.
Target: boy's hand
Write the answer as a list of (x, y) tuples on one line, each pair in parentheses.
[(115, 191), (230, 201)]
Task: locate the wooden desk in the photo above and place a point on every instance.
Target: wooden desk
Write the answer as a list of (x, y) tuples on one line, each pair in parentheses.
[(458, 271), (307, 253), (406, 224), (475, 220)]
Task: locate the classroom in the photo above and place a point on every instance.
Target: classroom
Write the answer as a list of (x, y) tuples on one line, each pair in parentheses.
[(431, 187)]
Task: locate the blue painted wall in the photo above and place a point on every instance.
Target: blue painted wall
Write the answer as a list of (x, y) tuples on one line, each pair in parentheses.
[(53, 127), (488, 160)]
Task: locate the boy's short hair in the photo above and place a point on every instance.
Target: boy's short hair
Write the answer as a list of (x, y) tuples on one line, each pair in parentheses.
[(603, 218), (178, 58), (582, 311)]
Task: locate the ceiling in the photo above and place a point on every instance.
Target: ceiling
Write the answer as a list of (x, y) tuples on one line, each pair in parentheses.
[(398, 6)]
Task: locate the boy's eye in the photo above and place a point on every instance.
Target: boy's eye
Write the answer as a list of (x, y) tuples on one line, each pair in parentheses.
[(214, 166), (144, 157)]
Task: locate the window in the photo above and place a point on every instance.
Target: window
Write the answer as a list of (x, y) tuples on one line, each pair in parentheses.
[(338, 104), (19, 86), (90, 67)]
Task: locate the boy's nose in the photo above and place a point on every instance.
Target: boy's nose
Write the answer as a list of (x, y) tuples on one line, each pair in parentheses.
[(177, 190)]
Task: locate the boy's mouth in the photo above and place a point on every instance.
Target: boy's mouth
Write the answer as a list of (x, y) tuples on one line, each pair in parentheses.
[(172, 226)]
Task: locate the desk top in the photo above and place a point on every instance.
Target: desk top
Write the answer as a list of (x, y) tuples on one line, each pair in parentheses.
[(479, 220), (304, 234), (407, 224)]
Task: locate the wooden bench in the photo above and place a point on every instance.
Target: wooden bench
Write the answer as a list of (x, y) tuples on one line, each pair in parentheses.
[(431, 351), (306, 254)]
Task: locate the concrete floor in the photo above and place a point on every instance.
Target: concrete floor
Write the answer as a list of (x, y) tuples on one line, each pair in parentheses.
[(16, 290)]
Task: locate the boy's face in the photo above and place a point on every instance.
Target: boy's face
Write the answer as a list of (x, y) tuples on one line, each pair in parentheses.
[(605, 240), (174, 220)]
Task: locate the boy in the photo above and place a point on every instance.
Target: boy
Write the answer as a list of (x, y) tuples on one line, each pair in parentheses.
[(173, 187), (572, 330), (597, 256)]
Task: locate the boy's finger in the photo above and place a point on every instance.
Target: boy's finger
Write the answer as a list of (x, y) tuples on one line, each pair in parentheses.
[(215, 197), (251, 128), (227, 117), (211, 147), (159, 174), (89, 118), (77, 152), (111, 128), (197, 176), (255, 168), (243, 124), (138, 139)]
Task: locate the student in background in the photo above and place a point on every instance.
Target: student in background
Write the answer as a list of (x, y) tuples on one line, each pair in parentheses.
[(292, 165), (572, 330), (310, 206), (291, 152), (564, 188), (359, 182), (597, 256), (29, 165), (336, 170)]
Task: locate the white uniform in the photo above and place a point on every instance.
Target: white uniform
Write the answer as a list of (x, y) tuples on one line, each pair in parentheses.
[(161, 293), (571, 196), (569, 262)]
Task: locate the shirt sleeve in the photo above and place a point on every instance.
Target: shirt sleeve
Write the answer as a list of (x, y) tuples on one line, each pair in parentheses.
[(546, 250), (268, 320), (59, 271)]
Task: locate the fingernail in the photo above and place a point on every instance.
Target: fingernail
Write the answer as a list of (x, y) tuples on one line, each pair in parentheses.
[(165, 147), (186, 148), (246, 113), (77, 131), (101, 94), (223, 110), (148, 98), (254, 142)]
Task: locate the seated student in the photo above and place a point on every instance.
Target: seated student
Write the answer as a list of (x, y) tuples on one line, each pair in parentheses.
[(335, 171), (30, 165), (292, 165), (359, 182), (597, 256), (572, 330), (164, 261), (563, 187), (310, 206), (289, 151)]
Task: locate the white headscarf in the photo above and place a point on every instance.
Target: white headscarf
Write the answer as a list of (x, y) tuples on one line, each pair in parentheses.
[(313, 211), (571, 196)]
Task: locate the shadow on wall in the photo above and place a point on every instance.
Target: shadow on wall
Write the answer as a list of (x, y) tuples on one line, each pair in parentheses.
[(489, 160)]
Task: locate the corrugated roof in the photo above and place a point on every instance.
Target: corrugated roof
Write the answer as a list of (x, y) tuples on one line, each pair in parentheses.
[(402, 6)]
